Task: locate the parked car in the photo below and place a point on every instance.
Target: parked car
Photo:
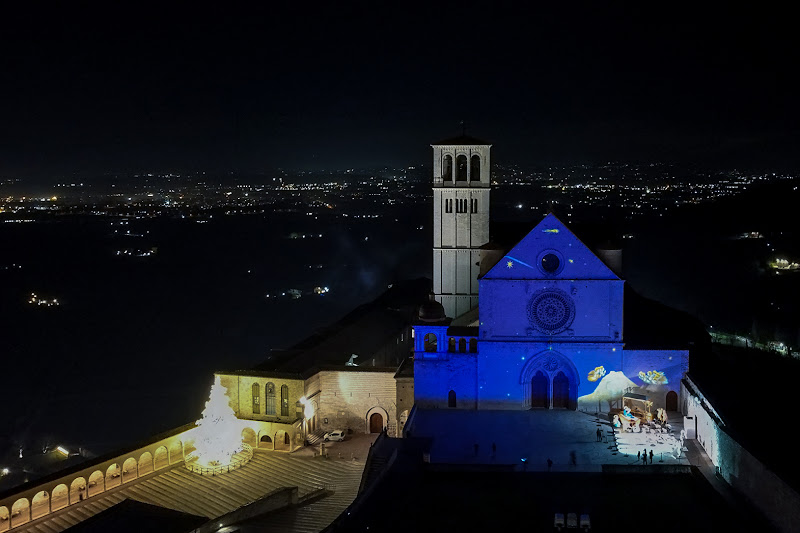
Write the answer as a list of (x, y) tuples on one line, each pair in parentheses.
[(334, 435)]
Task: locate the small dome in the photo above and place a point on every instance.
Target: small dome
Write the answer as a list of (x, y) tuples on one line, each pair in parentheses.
[(431, 311)]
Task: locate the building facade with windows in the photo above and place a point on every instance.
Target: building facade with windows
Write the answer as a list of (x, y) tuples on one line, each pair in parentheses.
[(548, 329)]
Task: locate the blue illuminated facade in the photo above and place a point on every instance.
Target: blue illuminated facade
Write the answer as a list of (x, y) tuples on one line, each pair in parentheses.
[(548, 334)]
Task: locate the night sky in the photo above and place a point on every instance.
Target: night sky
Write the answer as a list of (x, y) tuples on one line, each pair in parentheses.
[(299, 85)]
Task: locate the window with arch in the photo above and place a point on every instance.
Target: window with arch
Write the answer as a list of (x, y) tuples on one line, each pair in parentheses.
[(270, 393), (475, 168), (451, 344), (256, 399), (451, 399), (284, 400), (430, 342), (461, 168), (462, 345), (448, 205), (447, 168), (473, 205), (473, 346)]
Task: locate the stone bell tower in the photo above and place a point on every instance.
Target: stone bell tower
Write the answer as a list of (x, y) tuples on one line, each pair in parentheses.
[(461, 185)]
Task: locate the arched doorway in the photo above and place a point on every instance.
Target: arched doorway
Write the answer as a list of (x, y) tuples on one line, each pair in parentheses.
[(672, 401), (549, 380), (161, 458), (540, 391), (145, 463), (129, 471), (97, 483), (375, 423), (560, 391), (451, 399), (40, 505), (266, 442), (20, 512), (60, 497)]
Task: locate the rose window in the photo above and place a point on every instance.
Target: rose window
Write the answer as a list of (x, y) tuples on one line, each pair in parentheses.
[(551, 311)]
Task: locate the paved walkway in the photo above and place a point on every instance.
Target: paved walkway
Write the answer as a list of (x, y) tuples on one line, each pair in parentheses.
[(508, 437)]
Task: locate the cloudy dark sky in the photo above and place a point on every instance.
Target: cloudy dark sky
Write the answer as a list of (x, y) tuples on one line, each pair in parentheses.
[(104, 88)]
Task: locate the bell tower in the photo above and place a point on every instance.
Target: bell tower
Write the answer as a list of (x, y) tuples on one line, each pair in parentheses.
[(461, 185)]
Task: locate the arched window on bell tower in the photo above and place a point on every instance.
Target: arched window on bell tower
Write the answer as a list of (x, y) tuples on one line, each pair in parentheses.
[(447, 168), (451, 399), (461, 168), (475, 168)]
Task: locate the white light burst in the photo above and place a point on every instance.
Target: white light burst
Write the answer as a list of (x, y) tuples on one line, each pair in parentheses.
[(218, 436)]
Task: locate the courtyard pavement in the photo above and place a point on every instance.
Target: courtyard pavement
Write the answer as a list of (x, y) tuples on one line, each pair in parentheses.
[(527, 439), (355, 447)]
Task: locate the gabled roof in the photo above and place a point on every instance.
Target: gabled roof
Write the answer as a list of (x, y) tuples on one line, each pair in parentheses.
[(365, 331), (461, 140), (576, 260)]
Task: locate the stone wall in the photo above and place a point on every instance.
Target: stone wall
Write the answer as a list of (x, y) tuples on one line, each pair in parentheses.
[(405, 401), (240, 392), (436, 374), (744, 472), (350, 397)]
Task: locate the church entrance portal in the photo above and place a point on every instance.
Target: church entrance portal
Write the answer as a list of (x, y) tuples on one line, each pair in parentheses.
[(375, 423), (672, 401), (549, 381), (540, 391), (560, 391)]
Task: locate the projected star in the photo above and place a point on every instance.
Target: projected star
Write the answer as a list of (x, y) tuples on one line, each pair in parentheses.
[(509, 264)]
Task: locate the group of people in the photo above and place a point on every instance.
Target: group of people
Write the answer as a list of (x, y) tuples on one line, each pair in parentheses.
[(643, 456)]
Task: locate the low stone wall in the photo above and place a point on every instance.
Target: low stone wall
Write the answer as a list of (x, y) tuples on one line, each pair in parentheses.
[(275, 500), (649, 469), (744, 472)]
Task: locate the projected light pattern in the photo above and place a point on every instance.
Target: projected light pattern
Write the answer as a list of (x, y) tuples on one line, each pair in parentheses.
[(514, 259), (597, 373), (653, 377)]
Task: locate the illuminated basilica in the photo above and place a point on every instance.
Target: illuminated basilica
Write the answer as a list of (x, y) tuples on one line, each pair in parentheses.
[(548, 330), (547, 325)]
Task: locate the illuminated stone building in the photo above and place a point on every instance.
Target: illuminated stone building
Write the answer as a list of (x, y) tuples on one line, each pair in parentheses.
[(549, 333), (461, 187), (555, 328)]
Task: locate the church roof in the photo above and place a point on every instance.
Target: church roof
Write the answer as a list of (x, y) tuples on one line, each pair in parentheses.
[(461, 140), (550, 251), (365, 331)]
